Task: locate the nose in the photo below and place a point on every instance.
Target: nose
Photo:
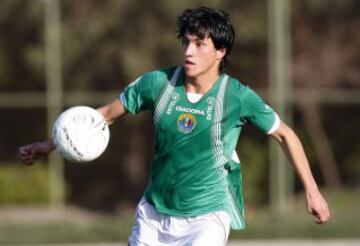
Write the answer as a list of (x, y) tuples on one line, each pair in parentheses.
[(189, 48)]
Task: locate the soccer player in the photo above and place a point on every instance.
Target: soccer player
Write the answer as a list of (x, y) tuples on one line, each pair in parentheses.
[(194, 193)]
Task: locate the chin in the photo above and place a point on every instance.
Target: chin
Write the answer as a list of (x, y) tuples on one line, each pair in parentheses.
[(190, 73)]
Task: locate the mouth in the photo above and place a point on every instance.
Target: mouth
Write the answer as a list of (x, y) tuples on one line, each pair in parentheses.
[(189, 63)]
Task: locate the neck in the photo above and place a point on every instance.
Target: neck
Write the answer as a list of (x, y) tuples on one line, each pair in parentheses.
[(202, 83)]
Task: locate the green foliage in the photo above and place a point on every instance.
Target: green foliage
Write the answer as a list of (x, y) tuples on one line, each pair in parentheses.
[(352, 167), (22, 184), (254, 171)]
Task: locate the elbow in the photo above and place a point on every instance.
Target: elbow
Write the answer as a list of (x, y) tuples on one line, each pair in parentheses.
[(283, 133)]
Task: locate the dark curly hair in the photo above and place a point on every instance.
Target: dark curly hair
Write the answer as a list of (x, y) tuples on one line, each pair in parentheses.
[(204, 22)]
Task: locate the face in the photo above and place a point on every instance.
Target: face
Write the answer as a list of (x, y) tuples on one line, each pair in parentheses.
[(201, 56)]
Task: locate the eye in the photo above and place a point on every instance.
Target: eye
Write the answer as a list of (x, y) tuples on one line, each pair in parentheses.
[(200, 44)]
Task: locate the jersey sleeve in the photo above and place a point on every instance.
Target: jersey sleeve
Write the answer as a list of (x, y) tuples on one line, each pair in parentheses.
[(259, 113), (139, 95)]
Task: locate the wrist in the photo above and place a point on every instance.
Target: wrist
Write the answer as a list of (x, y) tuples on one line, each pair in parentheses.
[(50, 144), (310, 185), (313, 189), (46, 146)]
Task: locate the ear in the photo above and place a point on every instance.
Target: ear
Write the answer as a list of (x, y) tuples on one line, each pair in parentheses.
[(220, 53)]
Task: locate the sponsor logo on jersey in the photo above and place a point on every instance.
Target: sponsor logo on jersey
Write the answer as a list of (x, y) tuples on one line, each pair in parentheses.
[(210, 108), (174, 98), (186, 123), (190, 110)]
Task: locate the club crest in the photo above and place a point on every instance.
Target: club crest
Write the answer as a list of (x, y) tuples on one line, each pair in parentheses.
[(186, 123)]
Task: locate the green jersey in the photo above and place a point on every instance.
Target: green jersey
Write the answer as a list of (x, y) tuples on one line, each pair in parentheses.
[(193, 171)]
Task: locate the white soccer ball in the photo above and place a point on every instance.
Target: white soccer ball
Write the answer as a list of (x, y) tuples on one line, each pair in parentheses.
[(80, 134)]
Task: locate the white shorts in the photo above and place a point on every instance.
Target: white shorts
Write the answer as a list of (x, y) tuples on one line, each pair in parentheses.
[(152, 228)]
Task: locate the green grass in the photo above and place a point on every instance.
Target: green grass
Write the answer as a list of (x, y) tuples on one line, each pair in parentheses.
[(98, 230), (345, 223), (297, 223)]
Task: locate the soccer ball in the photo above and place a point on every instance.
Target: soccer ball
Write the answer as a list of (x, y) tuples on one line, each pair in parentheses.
[(80, 134)]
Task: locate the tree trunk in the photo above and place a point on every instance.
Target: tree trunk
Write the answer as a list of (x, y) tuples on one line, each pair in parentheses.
[(321, 145)]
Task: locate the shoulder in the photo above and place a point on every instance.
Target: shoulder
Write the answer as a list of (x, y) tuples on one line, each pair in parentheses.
[(241, 90), (236, 84), (243, 96), (237, 89)]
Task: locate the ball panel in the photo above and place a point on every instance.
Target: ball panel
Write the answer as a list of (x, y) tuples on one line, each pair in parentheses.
[(80, 134)]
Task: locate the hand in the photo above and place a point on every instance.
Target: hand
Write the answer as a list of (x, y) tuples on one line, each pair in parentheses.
[(318, 207), (28, 153)]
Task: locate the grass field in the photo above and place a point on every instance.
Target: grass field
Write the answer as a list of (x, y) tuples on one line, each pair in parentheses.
[(40, 226)]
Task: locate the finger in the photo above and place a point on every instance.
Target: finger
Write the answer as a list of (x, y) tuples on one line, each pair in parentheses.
[(319, 220), (28, 161), (23, 159), (322, 217), (23, 150), (316, 215), (25, 156)]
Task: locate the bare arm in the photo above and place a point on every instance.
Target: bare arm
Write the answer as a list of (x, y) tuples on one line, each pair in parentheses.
[(28, 153), (112, 111), (293, 148)]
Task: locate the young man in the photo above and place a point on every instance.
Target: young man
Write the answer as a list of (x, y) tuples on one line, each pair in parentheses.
[(194, 192)]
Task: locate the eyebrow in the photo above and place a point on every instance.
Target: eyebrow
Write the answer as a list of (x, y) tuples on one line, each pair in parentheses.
[(196, 39)]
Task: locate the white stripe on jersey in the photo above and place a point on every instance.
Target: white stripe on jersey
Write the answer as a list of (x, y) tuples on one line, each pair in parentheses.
[(237, 220), (166, 96), (276, 124)]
